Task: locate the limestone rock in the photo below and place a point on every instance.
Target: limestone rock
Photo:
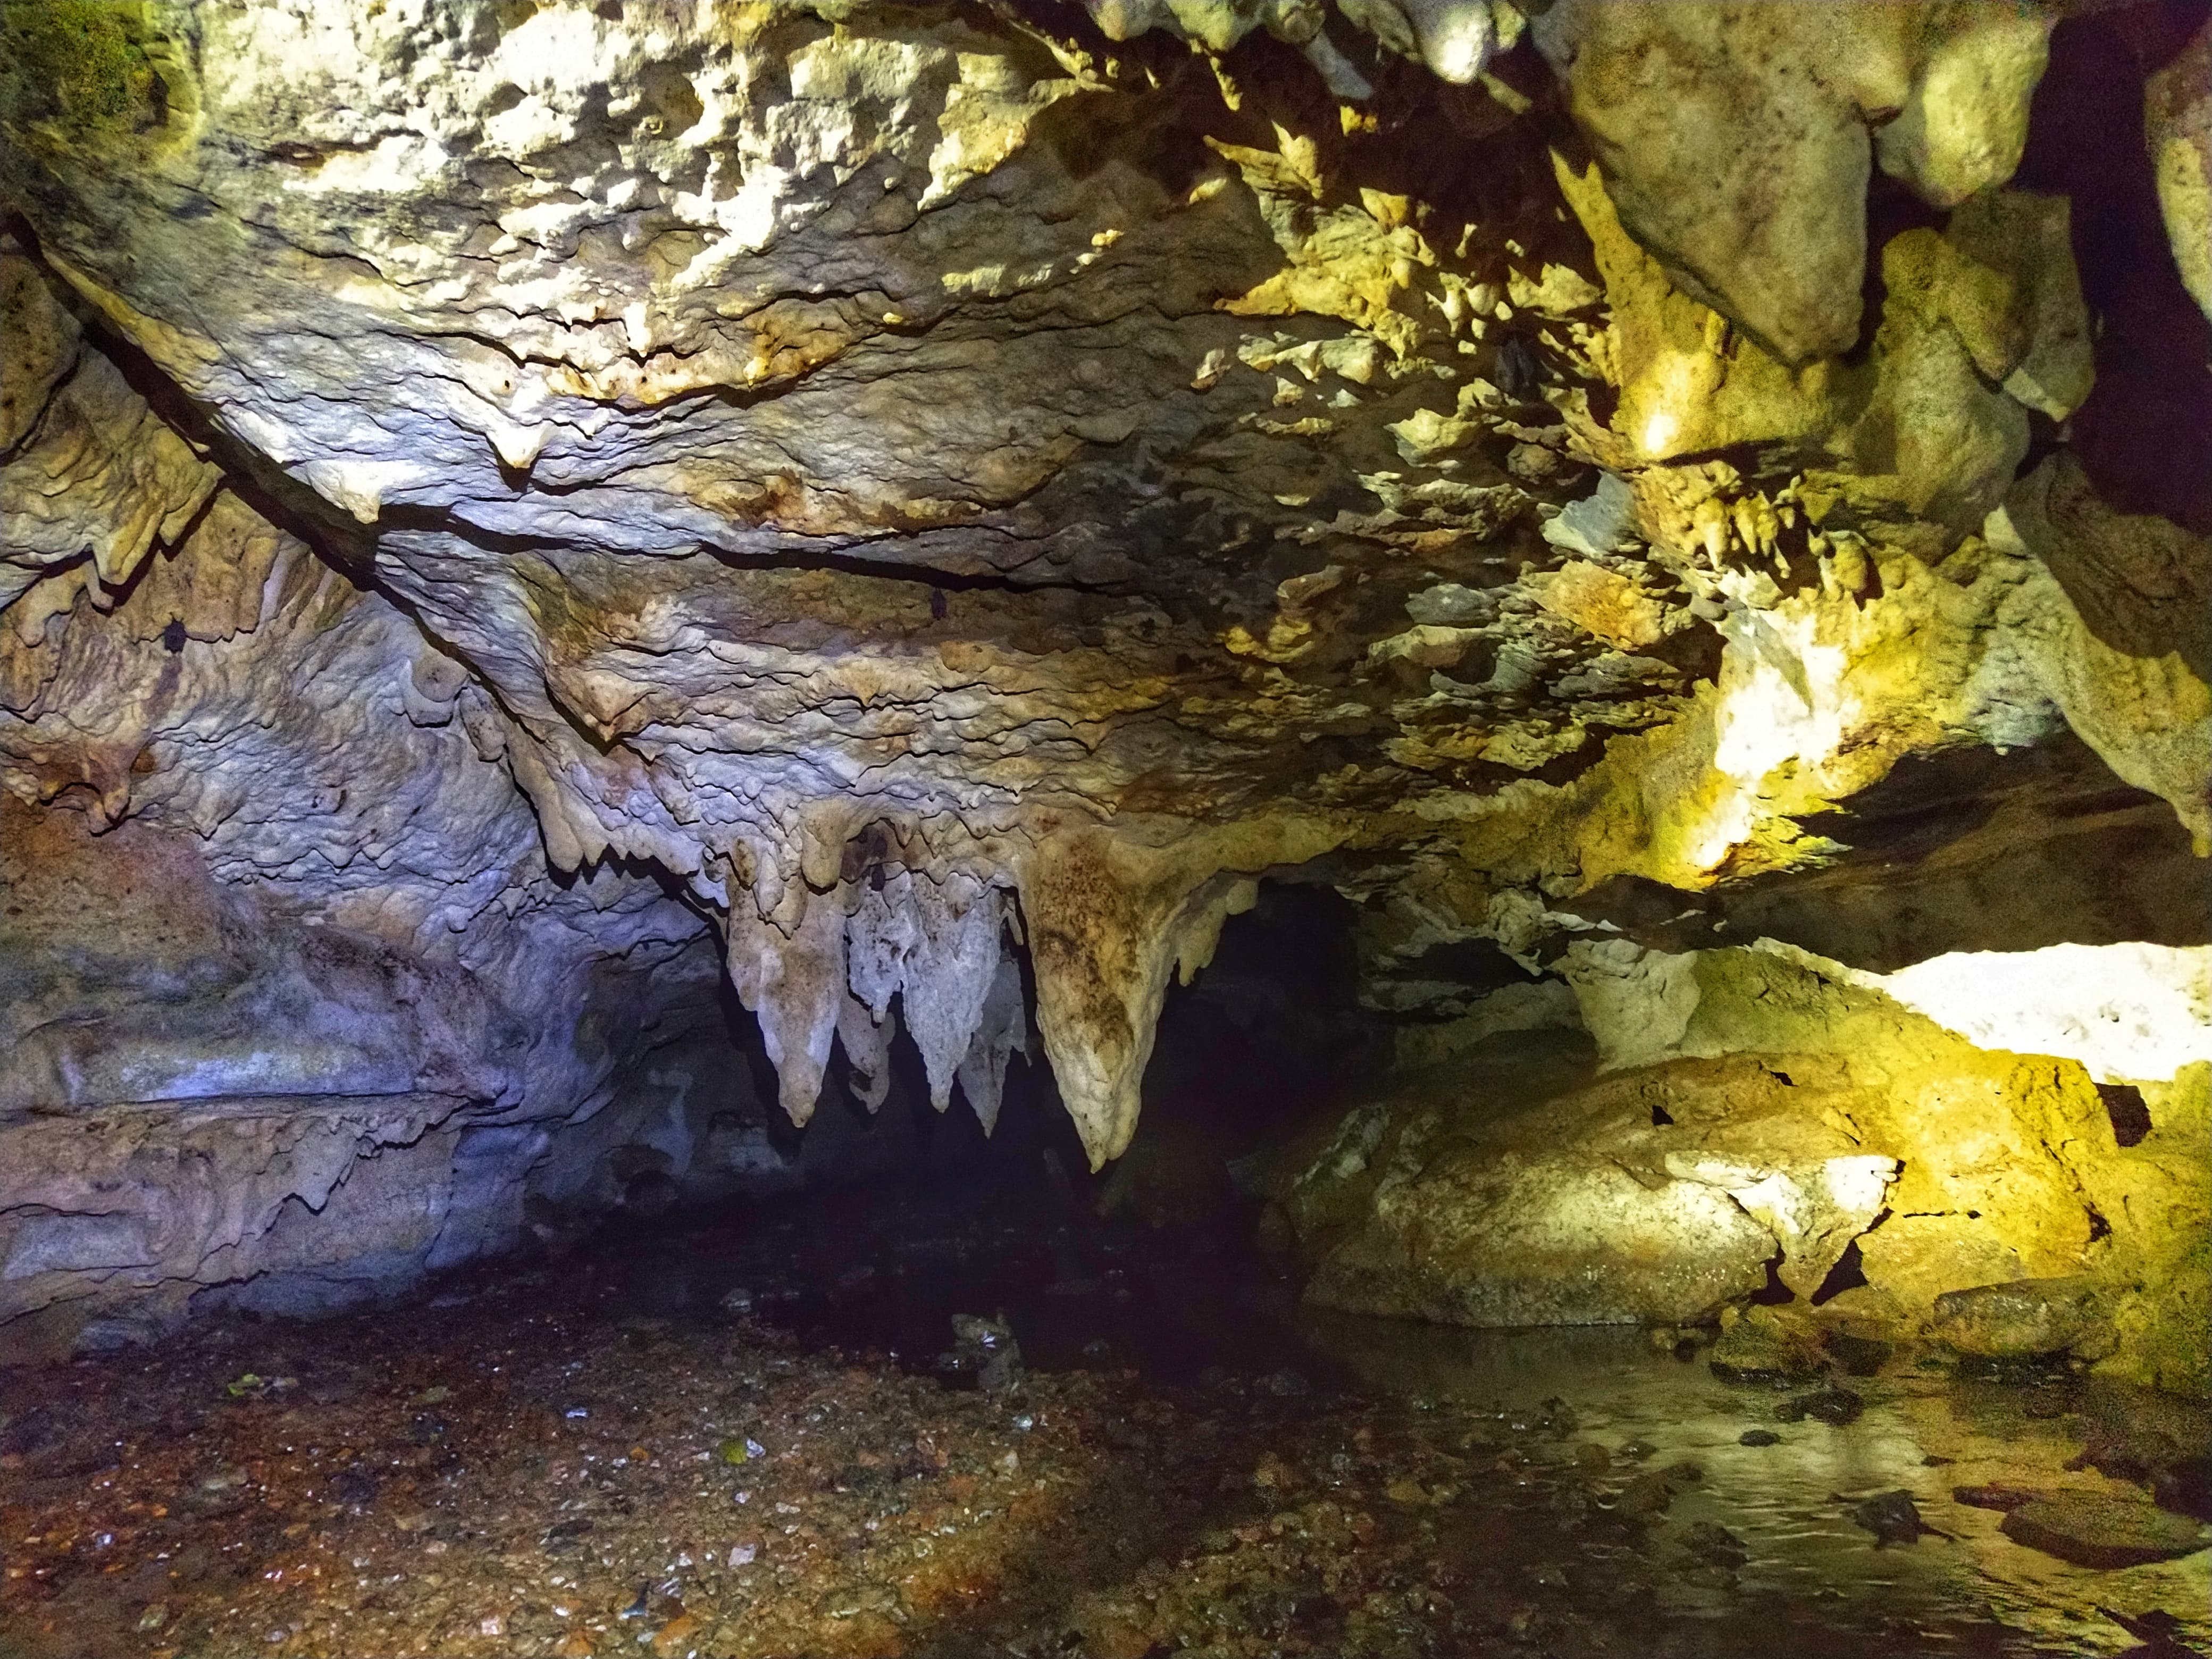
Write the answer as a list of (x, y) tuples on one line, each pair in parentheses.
[(2010, 1168), (1767, 221), (2105, 1532), (1517, 1240), (1655, 1198), (2177, 127), (2028, 1319)]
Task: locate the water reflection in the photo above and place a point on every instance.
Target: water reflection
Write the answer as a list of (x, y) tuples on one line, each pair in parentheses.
[(1975, 1591)]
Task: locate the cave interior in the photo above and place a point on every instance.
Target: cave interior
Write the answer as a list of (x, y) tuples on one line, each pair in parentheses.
[(1234, 827)]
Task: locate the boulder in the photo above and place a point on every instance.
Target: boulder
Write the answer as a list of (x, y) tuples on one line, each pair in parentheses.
[(2027, 1319), (2103, 1532), (1657, 1197)]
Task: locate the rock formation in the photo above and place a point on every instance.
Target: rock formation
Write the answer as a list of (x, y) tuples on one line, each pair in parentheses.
[(507, 501)]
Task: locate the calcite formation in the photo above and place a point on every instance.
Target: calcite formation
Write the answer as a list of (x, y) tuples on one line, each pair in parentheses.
[(501, 496)]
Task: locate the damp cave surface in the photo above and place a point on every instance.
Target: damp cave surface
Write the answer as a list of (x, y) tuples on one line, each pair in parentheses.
[(539, 1453), (1105, 828)]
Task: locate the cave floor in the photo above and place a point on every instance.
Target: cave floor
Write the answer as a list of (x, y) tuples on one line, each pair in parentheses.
[(610, 1452)]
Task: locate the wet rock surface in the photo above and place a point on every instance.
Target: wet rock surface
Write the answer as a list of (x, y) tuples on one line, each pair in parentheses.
[(530, 1464), (1805, 1154), (2103, 1532)]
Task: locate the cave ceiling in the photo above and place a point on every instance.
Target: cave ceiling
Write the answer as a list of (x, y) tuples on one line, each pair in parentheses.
[(892, 480)]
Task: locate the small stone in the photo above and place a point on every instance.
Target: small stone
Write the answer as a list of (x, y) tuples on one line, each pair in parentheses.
[(1836, 1407), (677, 1636), (1891, 1516), (2103, 1532), (1002, 1370), (983, 1332), (1710, 1541), (1650, 1493), (1764, 1347), (1994, 1497), (561, 1537), (1758, 1438)]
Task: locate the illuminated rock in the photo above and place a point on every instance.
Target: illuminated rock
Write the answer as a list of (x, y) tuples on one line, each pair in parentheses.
[(2029, 1319), (1659, 1197), (2177, 121), (2100, 1532)]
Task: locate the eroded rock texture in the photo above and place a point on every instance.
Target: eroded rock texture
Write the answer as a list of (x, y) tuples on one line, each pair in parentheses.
[(945, 501)]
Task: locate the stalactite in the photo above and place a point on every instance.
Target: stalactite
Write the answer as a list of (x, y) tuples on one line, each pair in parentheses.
[(1109, 920), (795, 983), (950, 972), (867, 1037), (1002, 1032)]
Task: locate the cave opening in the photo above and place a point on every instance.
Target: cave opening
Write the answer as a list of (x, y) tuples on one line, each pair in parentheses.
[(1106, 828)]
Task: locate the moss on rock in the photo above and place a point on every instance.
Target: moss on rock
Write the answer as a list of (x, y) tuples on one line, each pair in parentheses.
[(80, 61)]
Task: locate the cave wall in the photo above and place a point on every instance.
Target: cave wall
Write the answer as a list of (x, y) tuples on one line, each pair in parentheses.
[(937, 506)]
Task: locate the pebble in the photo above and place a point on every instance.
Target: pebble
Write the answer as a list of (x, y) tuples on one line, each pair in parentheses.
[(677, 1636), (1835, 1407), (1710, 1541), (1891, 1516), (1993, 1496)]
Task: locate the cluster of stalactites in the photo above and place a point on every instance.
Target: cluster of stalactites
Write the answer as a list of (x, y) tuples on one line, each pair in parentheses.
[(939, 947), (1106, 920), (1454, 38)]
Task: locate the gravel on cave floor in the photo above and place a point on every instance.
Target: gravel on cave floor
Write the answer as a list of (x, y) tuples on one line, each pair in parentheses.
[(524, 1462)]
